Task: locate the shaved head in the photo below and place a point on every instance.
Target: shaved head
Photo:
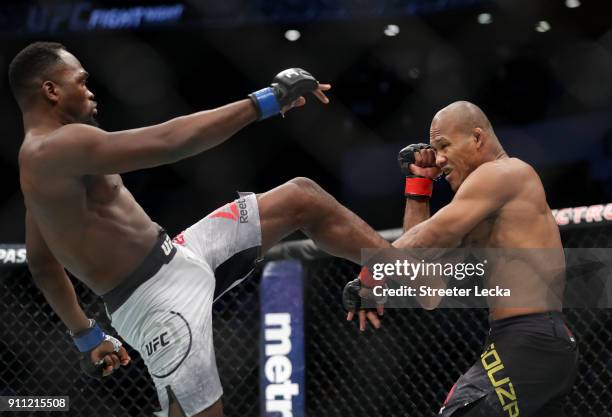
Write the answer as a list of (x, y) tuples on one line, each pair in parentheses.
[(462, 116), (463, 139)]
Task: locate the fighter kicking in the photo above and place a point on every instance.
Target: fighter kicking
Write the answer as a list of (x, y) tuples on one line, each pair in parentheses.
[(530, 358), (158, 293)]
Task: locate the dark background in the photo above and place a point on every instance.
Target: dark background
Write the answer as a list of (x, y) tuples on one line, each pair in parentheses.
[(548, 94)]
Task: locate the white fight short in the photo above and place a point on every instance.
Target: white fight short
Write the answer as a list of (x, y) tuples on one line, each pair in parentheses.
[(164, 308)]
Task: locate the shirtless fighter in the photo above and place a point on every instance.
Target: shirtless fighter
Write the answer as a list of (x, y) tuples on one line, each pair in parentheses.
[(530, 358), (158, 293)]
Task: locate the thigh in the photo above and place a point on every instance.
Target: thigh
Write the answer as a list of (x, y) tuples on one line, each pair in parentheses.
[(168, 320), (279, 214), (479, 408), (470, 392), (541, 368), (480, 404), (184, 369), (228, 240), (215, 410), (226, 231)]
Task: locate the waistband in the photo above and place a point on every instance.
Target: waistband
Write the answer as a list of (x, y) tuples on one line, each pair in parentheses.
[(546, 320), (162, 253)]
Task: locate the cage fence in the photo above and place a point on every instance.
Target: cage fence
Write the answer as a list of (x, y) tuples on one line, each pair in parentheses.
[(403, 369)]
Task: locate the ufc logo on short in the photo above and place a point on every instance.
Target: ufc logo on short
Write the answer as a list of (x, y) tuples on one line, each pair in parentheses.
[(156, 343)]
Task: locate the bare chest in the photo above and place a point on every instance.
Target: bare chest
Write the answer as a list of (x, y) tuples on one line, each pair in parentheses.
[(102, 189)]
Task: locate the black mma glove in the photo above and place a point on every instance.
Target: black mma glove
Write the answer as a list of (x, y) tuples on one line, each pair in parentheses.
[(351, 300), (417, 187), (352, 294), (286, 87)]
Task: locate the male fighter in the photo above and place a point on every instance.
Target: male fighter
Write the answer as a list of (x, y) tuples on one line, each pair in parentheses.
[(158, 293), (530, 358)]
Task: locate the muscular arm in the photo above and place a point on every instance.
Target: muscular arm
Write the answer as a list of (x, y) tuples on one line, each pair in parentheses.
[(78, 149), (484, 192), (50, 277)]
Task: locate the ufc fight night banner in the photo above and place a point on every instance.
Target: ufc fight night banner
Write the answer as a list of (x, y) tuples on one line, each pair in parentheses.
[(282, 362)]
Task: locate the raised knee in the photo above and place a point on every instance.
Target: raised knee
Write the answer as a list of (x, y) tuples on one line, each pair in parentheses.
[(306, 185), (306, 198)]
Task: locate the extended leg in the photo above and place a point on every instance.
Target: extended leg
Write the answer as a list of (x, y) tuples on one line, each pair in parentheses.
[(301, 204)]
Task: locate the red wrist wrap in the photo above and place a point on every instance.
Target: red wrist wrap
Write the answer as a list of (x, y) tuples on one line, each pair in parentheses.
[(418, 187), (367, 280)]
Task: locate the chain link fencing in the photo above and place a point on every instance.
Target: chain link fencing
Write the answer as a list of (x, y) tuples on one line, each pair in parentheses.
[(37, 357), (403, 369)]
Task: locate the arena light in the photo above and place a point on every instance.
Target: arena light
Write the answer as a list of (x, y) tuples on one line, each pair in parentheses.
[(572, 4), (392, 30), (485, 18), (292, 35), (542, 26)]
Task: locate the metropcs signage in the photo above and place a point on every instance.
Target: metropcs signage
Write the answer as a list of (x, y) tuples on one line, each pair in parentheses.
[(282, 340), (280, 389), (597, 213)]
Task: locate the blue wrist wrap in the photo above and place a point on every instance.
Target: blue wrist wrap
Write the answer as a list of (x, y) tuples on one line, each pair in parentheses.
[(89, 339), (267, 101)]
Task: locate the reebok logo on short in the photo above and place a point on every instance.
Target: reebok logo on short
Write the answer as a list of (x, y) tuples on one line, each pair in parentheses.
[(244, 213), (237, 211), (180, 238)]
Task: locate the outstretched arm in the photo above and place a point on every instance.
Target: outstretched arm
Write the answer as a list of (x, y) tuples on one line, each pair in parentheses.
[(78, 149)]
